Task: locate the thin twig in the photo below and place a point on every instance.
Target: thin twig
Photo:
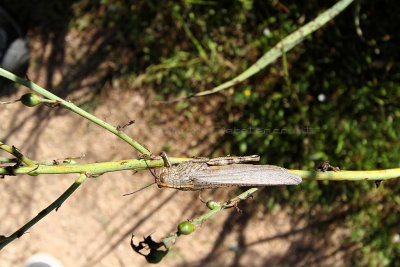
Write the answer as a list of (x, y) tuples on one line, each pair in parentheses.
[(14, 151), (6, 74), (56, 204), (200, 219)]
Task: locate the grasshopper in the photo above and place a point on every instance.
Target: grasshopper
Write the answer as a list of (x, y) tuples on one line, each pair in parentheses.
[(222, 172)]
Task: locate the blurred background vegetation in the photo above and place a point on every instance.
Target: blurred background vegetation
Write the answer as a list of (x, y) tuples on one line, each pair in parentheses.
[(342, 83)]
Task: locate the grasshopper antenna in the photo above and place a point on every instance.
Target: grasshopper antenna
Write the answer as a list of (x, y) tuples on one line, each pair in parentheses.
[(138, 190), (152, 173)]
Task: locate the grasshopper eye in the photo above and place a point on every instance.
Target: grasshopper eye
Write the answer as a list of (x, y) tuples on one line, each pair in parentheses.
[(163, 176)]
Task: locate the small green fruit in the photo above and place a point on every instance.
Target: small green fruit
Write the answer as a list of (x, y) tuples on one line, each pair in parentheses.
[(185, 228), (155, 256), (212, 205), (30, 100)]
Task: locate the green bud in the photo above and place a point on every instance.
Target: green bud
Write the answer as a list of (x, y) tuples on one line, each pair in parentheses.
[(155, 256), (30, 100), (185, 228), (212, 205)]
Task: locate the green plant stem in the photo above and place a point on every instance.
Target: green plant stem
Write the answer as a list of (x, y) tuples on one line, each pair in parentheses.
[(349, 175), (285, 69), (92, 168), (199, 48), (16, 153), (56, 204), (7, 160), (6, 74), (13, 160), (50, 101)]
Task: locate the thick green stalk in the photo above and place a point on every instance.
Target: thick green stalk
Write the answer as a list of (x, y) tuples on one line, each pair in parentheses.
[(92, 168)]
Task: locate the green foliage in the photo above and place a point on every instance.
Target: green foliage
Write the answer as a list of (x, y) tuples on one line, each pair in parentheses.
[(354, 126)]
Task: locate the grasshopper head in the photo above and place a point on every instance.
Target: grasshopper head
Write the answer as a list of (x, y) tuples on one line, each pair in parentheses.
[(162, 178)]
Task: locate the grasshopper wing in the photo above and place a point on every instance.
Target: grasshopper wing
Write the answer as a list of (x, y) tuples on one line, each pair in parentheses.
[(243, 175)]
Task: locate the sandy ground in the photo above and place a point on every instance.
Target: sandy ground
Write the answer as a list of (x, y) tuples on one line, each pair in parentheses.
[(93, 227)]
